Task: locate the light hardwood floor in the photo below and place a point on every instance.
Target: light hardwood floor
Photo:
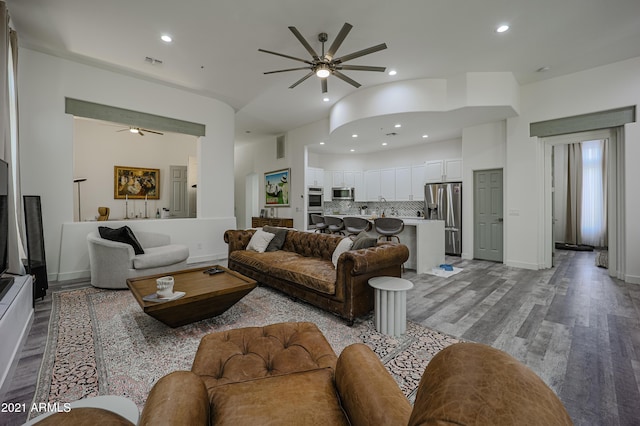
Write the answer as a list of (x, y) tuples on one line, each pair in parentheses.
[(573, 325)]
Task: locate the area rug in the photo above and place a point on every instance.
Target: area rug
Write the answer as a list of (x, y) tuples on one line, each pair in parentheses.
[(100, 342), (439, 272)]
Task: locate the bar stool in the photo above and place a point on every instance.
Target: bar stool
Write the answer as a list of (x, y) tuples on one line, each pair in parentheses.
[(389, 227), (336, 225), (355, 225), (318, 221)]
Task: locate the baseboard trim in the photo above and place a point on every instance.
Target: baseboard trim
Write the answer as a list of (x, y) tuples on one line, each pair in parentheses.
[(523, 265)]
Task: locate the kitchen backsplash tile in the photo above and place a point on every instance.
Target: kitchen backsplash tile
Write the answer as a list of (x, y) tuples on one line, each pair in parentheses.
[(391, 208)]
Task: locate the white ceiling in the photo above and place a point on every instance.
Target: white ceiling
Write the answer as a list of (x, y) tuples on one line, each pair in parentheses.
[(215, 48)]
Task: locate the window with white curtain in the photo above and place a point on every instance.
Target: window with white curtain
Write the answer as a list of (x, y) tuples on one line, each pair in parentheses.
[(593, 218)]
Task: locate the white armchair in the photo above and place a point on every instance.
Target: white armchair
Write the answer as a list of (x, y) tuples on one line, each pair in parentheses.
[(113, 262)]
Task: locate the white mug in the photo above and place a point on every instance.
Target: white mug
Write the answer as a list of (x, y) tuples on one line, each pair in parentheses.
[(165, 286)]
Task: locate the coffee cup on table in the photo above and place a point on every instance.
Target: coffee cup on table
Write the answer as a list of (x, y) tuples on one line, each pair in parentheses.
[(165, 286)]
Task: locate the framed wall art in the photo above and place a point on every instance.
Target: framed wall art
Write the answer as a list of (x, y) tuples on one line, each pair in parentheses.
[(136, 183), (276, 188)]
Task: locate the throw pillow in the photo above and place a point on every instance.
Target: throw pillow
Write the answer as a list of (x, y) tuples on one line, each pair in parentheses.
[(121, 235), (260, 240), (363, 240), (344, 245), (278, 241)]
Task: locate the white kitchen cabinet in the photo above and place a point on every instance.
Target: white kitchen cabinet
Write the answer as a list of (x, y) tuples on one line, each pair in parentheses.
[(354, 179), (372, 185), (388, 184), (417, 182), (337, 178), (328, 184), (315, 176), (403, 184), (449, 170)]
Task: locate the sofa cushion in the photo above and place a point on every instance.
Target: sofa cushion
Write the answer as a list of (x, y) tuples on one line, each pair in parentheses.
[(161, 256), (363, 240), (260, 241), (311, 272), (278, 241), (121, 235), (344, 245), (305, 398)]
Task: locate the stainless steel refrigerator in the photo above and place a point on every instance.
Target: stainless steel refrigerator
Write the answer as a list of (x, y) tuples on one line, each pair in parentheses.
[(443, 201)]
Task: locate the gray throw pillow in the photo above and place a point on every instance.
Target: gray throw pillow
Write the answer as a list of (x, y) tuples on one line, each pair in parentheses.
[(363, 240), (278, 241)]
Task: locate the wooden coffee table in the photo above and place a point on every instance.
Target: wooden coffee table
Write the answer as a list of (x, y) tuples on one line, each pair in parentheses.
[(206, 295)]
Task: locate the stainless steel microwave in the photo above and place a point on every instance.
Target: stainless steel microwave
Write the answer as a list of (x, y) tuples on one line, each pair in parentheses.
[(343, 194)]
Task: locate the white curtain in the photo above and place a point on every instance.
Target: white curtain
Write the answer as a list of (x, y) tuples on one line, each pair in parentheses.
[(593, 219)]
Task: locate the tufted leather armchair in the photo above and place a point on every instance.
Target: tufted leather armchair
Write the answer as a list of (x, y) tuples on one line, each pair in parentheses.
[(287, 374)]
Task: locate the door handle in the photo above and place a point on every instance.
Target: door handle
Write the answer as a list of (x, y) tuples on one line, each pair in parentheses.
[(500, 220)]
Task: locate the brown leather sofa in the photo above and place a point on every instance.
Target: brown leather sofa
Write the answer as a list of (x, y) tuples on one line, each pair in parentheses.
[(287, 374), (303, 269)]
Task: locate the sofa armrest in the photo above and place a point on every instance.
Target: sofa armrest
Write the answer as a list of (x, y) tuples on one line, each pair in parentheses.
[(374, 258), (109, 253), (369, 395), (238, 239), (177, 398)]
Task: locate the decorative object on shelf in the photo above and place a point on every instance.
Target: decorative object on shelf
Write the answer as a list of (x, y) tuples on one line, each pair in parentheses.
[(136, 183), (103, 213), (79, 181), (276, 186)]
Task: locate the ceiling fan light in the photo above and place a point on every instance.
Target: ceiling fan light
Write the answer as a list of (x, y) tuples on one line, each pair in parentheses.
[(134, 130), (323, 71)]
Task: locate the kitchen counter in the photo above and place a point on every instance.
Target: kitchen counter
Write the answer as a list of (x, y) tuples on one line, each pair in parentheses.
[(425, 239)]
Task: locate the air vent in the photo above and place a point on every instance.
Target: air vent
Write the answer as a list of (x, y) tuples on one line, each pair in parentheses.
[(153, 61), (280, 148)]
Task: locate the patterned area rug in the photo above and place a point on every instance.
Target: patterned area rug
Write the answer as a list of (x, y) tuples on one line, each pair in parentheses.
[(100, 342)]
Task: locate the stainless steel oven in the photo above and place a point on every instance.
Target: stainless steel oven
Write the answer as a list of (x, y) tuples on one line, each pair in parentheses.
[(315, 198)]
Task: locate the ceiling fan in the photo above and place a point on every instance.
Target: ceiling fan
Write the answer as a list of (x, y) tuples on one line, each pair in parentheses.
[(327, 64), (140, 131)]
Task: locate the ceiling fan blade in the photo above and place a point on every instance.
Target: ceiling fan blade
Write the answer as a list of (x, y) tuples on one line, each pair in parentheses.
[(360, 68), (301, 80), (304, 42), (323, 82), (152, 131), (286, 56), (140, 132), (362, 52), (123, 130), (288, 69), (338, 41), (347, 79)]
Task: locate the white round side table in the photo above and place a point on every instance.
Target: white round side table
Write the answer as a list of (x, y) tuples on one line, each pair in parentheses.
[(391, 304)]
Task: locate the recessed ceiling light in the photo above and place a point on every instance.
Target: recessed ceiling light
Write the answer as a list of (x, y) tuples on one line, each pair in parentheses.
[(425, 136), (384, 144), (352, 150), (393, 72), (502, 28), (398, 125), (325, 99), (321, 143), (166, 38), (354, 135)]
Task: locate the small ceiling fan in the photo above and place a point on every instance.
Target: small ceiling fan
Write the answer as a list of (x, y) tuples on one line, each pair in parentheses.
[(327, 64), (140, 131)]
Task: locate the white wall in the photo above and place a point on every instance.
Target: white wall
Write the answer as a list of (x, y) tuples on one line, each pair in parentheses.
[(483, 148), (409, 156), (603, 88), (98, 147), (46, 141)]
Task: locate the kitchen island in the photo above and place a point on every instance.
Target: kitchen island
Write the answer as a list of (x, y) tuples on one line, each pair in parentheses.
[(424, 238)]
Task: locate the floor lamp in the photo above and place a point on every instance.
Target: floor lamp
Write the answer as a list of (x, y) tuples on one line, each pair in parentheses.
[(78, 181)]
